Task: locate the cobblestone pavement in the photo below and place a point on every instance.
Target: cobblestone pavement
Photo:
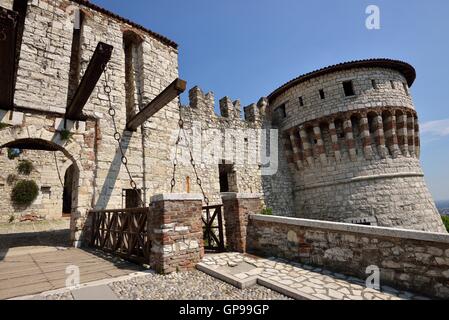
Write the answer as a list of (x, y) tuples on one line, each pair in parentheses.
[(313, 282), (192, 285)]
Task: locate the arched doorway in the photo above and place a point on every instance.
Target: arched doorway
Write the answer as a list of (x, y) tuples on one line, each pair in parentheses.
[(40, 223), (67, 196)]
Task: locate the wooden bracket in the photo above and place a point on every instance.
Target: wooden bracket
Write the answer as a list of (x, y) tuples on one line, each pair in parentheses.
[(165, 97), (96, 66)]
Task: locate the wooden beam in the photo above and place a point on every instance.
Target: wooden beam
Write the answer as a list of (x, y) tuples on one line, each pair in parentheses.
[(8, 31), (94, 70), (165, 97)]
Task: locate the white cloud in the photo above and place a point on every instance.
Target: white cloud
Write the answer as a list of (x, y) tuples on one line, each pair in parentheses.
[(438, 128)]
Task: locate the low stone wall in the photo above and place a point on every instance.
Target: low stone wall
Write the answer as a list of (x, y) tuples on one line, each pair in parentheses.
[(411, 260)]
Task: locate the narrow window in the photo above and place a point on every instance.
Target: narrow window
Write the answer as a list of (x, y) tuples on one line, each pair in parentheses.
[(322, 96), (374, 84), (301, 102), (405, 88), (393, 86), (133, 72), (348, 88)]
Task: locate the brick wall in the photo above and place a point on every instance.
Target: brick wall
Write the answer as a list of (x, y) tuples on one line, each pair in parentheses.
[(237, 207), (176, 233), (411, 260)]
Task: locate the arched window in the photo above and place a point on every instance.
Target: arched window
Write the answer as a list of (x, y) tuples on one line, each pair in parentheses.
[(132, 45)]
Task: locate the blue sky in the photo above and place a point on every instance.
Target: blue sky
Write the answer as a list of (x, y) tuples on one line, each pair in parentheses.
[(247, 48)]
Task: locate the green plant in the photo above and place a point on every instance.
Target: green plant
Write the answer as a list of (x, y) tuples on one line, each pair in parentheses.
[(25, 167), (11, 218), (24, 192), (65, 135), (4, 125), (446, 221), (267, 212)]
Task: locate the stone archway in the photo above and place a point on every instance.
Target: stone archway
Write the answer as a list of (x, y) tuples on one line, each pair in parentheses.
[(76, 150)]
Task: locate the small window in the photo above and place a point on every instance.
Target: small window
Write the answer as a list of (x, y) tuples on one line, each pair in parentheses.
[(322, 96), (348, 88), (280, 112), (393, 86), (405, 88), (374, 84), (301, 102)]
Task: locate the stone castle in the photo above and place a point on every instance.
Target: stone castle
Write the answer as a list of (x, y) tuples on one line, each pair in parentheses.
[(348, 135)]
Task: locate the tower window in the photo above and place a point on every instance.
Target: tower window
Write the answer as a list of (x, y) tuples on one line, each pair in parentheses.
[(280, 112), (322, 96), (393, 86), (348, 88), (301, 102), (374, 84)]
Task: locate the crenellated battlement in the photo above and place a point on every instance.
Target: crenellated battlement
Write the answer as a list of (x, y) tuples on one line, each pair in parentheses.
[(204, 104)]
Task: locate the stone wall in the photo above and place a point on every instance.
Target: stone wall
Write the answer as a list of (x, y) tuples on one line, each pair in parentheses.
[(235, 141), (411, 260), (6, 4), (49, 203), (335, 100)]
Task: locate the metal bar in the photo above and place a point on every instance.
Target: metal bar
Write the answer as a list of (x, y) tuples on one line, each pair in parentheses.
[(165, 97), (8, 34), (96, 66)]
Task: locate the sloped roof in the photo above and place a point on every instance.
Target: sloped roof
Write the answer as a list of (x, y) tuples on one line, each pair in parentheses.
[(157, 36)]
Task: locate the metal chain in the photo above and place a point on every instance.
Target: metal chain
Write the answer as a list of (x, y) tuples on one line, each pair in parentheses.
[(182, 131), (117, 136)]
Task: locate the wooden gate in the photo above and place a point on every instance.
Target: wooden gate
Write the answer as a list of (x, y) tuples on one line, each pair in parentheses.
[(213, 228), (122, 232)]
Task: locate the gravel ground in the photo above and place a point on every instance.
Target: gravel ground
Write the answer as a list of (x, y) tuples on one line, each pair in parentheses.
[(192, 285)]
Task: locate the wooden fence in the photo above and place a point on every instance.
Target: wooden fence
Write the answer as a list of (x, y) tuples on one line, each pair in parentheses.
[(122, 232)]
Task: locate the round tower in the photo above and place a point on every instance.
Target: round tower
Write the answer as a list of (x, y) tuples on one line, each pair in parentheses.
[(351, 136)]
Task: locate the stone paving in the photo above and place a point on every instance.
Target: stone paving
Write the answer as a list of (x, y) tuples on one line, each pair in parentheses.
[(191, 285), (300, 280)]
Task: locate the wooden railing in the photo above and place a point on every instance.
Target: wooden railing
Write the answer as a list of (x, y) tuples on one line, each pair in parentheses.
[(213, 233), (122, 232)]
